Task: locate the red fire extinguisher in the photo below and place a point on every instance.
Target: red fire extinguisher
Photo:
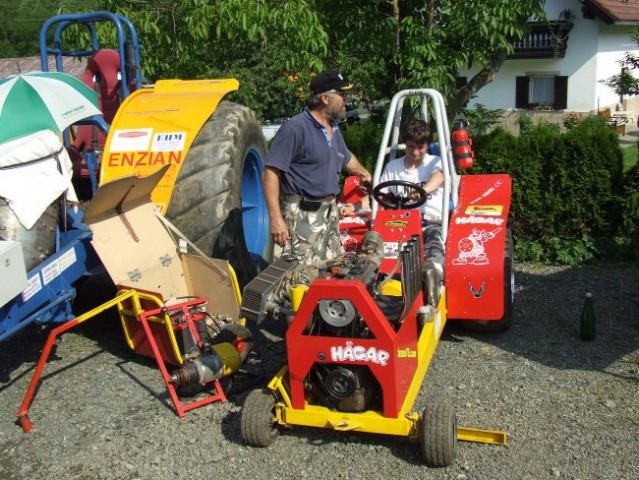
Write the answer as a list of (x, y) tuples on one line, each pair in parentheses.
[(461, 143)]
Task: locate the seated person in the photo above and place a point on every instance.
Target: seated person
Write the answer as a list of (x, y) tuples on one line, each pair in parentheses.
[(422, 168)]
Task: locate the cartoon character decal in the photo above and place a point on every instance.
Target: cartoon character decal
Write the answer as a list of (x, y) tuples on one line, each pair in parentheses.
[(471, 248)]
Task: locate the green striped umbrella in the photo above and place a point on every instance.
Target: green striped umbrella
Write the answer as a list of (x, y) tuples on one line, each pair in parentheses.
[(37, 101)]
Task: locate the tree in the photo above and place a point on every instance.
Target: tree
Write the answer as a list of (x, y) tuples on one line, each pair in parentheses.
[(409, 44), (271, 47), (20, 22), (274, 46)]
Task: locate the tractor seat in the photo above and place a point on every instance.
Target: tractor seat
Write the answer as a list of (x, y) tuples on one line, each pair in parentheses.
[(103, 75)]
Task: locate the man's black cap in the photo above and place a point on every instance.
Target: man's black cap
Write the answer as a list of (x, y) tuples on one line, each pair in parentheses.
[(329, 80)]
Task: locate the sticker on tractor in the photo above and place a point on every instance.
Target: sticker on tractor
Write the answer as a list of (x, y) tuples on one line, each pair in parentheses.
[(143, 159), (406, 353), (359, 353), (34, 285), (391, 249), (478, 219), (492, 210), (131, 140), (471, 248), (477, 293), (396, 224), (487, 192), (67, 259), (51, 271), (349, 244), (168, 142)]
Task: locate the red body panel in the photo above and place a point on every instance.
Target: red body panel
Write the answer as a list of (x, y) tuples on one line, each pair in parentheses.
[(475, 248), (391, 356), (396, 228), (353, 226)]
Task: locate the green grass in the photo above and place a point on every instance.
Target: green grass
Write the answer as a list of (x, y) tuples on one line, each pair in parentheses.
[(629, 157)]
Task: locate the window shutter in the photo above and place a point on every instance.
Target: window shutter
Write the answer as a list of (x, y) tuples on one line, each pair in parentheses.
[(521, 92), (561, 93)]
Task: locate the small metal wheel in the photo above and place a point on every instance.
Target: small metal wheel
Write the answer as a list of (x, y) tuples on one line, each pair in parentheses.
[(257, 422), (243, 340), (439, 435)]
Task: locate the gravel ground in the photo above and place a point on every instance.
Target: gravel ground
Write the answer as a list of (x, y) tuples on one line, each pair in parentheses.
[(571, 408)]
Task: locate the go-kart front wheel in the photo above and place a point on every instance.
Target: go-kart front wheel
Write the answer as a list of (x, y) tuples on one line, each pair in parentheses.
[(439, 435), (257, 422)]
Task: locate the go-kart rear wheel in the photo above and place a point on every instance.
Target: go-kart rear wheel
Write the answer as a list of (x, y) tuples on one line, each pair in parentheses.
[(439, 435), (504, 323), (257, 422)]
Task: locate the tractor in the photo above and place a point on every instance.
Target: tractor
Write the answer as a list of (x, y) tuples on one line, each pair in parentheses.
[(171, 206), (211, 191), (362, 329)]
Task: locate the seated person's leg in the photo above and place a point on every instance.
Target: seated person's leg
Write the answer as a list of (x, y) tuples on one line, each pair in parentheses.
[(433, 269)]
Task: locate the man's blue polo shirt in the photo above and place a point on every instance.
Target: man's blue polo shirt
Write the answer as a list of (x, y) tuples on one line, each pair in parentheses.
[(309, 163)]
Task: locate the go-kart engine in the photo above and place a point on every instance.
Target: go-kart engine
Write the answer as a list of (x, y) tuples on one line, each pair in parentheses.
[(344, 387)]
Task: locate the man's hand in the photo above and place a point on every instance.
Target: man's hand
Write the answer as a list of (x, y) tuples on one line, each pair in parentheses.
[(279, 232)]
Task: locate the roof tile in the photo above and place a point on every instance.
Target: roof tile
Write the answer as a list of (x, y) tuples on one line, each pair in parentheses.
[(617, 10), (13, 66)]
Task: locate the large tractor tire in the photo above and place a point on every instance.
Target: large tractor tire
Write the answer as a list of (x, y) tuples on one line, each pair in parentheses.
[(38, 243), (218, 201), (504, 323)]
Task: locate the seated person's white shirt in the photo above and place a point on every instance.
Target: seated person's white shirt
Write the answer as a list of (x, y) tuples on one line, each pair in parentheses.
[(395, 170)]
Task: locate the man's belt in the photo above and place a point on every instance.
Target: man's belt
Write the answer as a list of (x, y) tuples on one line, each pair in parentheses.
[(299, 198), (309, 204)]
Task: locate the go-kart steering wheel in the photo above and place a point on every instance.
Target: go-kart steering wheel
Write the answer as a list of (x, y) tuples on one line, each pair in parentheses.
[(399, 202)]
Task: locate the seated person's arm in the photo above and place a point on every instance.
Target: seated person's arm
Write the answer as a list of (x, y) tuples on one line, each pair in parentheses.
[(435, 181)]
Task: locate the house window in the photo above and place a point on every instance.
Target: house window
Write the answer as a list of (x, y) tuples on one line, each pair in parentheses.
[(542, 90), (546, 90)]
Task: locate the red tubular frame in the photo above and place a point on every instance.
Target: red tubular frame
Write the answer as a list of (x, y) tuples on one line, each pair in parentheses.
[(180, 408), (23, 412)]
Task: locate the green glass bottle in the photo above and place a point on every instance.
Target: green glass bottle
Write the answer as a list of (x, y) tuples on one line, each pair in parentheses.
[(587, 320)]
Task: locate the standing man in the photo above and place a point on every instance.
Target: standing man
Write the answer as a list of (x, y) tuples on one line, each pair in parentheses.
[(301, 179)]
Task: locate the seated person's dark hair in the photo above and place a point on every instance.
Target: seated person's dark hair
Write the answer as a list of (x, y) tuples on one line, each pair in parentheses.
[(418, 131)]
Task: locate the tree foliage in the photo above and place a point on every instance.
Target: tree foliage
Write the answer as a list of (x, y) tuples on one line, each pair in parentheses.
[(20, 22), (425, 43), (274, 46), (625, 83)]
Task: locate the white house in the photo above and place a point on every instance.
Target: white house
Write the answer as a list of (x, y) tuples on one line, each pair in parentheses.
[(562, 64)]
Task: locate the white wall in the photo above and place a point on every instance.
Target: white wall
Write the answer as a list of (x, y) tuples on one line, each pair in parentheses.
[(614, 42), (591, 55)]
